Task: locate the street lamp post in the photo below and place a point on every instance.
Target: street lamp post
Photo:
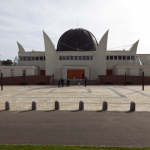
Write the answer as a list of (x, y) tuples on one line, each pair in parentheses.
[(1, 79), (125, 76), (143, 77)]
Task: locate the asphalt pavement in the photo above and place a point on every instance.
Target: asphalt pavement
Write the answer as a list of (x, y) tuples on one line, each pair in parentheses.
[(109, 128)]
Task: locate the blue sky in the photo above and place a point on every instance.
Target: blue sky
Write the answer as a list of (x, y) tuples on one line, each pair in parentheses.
[(24, 20)]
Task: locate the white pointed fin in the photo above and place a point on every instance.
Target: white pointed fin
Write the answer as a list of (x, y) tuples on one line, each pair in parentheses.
[(134, 47), (21, 49), (102, 46), (50, 42), (50, 55), (137, 61)]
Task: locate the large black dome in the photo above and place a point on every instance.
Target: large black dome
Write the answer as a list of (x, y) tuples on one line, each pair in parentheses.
[(77, 40)]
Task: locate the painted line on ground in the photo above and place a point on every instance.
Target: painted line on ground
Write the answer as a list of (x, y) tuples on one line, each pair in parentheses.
[(136, 92), (116, 92), (89, 91), (27, 91), (52, 91), (11, 90), (70, 97)]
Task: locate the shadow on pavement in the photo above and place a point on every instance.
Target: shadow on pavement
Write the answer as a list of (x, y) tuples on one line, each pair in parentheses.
[(129, 111), (50, 110), (100, 111), (26, 110), (76, 110)]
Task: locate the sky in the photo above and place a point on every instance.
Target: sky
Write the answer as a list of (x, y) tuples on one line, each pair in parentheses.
[(24, 21)]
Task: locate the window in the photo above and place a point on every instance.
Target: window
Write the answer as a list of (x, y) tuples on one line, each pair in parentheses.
[(111, 57), (67, 58), (107, 57), (63, 58), (44, 57), (75, 57), (41, 58), (124, 57), (71, 57), (28, 58), (119, 57), (20, 58), (33, 58), (24, 58), (128, 57), (115, 57), (37, 58), (132, 57)]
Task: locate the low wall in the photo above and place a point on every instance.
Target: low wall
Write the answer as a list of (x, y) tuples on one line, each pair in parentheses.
[(29, 80), (120, 79), (103, 79)]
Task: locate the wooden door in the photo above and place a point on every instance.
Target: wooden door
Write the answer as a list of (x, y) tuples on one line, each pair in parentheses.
[(75, 73), (42, 72), (109, 72)]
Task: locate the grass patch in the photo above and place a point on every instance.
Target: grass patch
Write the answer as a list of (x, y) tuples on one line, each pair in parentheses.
[(58, 147)]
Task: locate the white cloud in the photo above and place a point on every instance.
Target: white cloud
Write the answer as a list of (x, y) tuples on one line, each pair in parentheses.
[(24, 20)]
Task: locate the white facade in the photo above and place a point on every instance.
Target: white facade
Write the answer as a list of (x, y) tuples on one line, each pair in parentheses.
[(99, 62), (13, 71), (97, 66)]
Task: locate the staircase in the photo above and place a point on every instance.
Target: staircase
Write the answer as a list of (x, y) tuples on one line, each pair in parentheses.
[(75, 82)]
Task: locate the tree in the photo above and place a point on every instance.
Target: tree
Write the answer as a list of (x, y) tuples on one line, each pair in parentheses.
[(7, 62)]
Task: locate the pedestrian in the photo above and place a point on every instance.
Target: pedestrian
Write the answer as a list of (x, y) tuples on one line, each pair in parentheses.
[(58, 82), (83, 76), (85, 81), (62, 81), (68, 82), (51, 81), (79, 81)]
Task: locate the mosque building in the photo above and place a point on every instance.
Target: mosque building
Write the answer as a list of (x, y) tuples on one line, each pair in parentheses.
[(79, 55)]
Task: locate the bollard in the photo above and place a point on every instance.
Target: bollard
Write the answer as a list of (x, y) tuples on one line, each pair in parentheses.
[(33, 105), (56, 105), (81, 105), (132, 106), (105, 105), (7, 106)]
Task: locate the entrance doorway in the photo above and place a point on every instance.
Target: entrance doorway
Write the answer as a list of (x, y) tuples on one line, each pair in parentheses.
[(75, 73), (42, 72), (109, 72)]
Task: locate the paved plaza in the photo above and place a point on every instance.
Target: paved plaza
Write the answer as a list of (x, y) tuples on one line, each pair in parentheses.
[(118, 97)]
